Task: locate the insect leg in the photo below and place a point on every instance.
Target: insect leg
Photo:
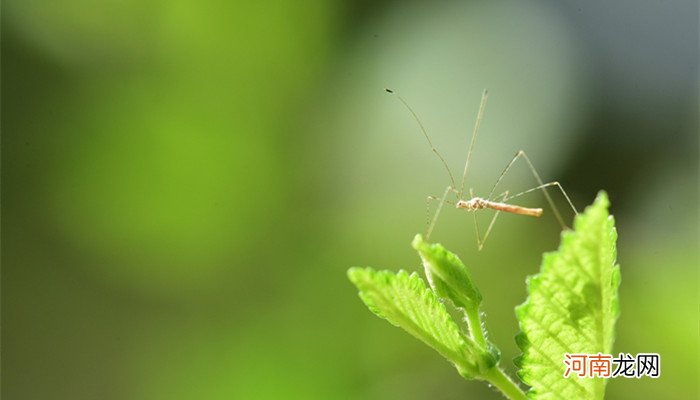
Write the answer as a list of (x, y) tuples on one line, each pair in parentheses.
[(480, 243), (541, 186), (442, 199), (545, 185)]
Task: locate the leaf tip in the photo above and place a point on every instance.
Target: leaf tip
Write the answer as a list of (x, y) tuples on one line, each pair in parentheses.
[(354, 273), (418, 243), (518, 361), (522, 341), (359, 276), (601, 199)]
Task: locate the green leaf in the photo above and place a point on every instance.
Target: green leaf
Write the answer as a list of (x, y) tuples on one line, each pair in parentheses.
[(406, 302), (448, 275), (571, 308), (450, 279)]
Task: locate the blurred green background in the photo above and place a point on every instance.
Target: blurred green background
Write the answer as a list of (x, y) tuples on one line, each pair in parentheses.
[(186, 183)]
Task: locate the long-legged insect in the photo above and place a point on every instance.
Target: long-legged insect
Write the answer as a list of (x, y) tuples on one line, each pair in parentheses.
[(497, 203)]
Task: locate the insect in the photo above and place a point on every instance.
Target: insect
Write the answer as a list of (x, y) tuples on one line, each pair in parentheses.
[(498, 202)]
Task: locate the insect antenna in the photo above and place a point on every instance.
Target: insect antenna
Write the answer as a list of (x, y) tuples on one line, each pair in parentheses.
[(425, 133)]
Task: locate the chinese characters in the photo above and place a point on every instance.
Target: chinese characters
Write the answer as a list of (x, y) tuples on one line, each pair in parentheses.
[(606, 366)]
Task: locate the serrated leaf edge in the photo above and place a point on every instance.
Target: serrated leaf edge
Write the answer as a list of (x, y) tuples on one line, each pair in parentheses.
[(464, 358)]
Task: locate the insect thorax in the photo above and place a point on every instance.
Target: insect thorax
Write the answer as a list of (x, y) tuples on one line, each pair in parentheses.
[(477, 203)]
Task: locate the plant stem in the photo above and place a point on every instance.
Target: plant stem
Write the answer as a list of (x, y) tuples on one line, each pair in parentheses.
[(502, 382), (477, 331)]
